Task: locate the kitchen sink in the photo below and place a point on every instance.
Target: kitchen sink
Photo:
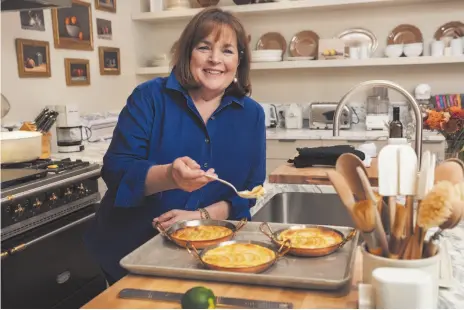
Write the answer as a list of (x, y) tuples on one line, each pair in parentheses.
[(304, 208)]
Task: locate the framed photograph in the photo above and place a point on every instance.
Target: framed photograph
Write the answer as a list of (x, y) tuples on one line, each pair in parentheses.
[(110, 60), (77, 71), (72, 27), (104, 30), (33, 58), (106, 5), (32, 20)]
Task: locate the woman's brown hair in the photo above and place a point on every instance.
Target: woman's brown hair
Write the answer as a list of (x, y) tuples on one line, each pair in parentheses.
[(199, 27)]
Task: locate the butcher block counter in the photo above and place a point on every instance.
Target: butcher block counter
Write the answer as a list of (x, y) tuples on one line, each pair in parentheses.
[(288, 174), (306, 299)]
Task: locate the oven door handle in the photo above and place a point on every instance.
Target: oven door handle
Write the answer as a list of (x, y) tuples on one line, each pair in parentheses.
[(21, 247)]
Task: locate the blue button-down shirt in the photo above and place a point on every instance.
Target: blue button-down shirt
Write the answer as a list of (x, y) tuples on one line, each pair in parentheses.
[(159, 124)]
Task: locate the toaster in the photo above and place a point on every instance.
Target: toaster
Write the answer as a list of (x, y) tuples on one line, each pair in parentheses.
[(321, 115)]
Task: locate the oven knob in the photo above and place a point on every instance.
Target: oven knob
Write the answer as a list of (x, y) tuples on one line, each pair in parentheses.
[(82, 189), (19, 210), (53, 197), (68, 193), (37, 203)]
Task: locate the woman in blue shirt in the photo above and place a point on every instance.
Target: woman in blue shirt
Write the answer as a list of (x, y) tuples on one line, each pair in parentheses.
[(174, 130)]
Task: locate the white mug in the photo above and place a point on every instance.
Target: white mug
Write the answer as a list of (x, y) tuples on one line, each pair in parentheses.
[(437, 48), (364, 51), (456, 47), (354, 52)]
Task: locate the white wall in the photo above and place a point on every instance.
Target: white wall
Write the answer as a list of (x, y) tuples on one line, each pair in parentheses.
[(28, 96)]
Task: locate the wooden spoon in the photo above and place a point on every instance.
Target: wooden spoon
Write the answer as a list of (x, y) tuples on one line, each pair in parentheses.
[(357, 212), (449, 170), (346, 166)]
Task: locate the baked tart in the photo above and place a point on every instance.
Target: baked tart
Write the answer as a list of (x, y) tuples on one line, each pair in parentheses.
[(202, 233), (239, 255), (311, 237)]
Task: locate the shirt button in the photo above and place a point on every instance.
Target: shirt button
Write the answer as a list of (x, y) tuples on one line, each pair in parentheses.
[(212, 118), (205, 165), (207, 140)]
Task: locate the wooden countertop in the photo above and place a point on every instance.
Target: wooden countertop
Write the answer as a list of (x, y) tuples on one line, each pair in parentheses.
[(348, 298), (288, 174)]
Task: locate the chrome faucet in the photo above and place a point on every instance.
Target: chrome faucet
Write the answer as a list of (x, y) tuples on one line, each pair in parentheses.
[(374, 83)]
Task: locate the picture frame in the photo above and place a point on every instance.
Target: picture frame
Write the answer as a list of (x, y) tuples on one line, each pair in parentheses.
[(106, 5), (77, 71), (72, 27), (33, 58), (32, 20), (110, 60), (104, 29)]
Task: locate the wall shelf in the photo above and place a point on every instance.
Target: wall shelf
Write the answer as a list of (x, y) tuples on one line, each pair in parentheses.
[(336, 63), (274, 7)]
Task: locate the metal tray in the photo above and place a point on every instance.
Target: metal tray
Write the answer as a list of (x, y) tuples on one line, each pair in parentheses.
[(160, 257)]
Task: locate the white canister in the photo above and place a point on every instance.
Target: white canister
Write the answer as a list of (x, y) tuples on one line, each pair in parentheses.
[(403, 288), (429, 265)]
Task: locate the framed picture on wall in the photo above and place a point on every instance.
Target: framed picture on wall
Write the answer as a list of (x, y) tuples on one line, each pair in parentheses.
[(77, 71), (32, 20), (110, 60), (104, 29), (106, 5), (33, 58), (72, 27)]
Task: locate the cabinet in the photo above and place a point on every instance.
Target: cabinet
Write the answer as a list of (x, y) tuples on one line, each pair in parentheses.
[(278, 151)]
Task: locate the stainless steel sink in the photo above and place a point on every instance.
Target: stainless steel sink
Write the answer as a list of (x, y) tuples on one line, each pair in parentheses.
[(304, 208)]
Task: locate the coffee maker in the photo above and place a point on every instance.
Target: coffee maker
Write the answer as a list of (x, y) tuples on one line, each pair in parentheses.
[(70, 134), (377, 117)]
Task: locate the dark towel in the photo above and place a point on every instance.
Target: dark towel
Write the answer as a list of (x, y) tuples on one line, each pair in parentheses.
[(322, 156)]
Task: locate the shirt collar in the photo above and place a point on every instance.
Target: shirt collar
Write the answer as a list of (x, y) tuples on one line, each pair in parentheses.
[(173, 83)]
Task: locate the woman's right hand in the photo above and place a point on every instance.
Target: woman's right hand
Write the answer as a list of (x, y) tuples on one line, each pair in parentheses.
[(187, 174)]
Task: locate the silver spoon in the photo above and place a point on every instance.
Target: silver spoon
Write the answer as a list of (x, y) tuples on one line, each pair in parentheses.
[(244, 194)]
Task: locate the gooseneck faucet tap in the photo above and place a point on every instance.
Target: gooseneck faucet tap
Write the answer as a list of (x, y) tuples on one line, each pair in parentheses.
[(374, 83)]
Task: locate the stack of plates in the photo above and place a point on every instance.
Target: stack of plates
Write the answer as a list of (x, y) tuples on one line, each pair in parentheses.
[(177, 4), (266, 55), (160, 60)]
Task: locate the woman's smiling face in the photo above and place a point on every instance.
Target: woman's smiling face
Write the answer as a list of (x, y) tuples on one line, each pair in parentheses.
[(215, 59)]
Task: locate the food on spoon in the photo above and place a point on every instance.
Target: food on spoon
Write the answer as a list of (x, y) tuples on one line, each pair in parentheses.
[(257, 192), (202, 233)]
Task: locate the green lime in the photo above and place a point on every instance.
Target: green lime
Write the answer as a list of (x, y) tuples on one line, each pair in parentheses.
[(198, 297)]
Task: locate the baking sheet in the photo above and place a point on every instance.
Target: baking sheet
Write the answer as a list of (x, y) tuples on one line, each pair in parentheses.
[(160, 257)]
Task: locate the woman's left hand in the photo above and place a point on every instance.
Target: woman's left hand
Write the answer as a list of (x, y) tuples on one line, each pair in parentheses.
[(173, 216)]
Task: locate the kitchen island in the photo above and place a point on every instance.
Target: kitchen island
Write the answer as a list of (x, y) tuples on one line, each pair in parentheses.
[(449, 298)]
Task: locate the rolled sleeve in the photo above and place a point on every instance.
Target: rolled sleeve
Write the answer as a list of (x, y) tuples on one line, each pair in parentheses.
[(240, 207), (126, 164)]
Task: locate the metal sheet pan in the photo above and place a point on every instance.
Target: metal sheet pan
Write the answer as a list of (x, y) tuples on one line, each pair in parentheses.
[(159, 257)]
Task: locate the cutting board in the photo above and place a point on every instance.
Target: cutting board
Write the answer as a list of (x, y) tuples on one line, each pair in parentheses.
[(288, 174)]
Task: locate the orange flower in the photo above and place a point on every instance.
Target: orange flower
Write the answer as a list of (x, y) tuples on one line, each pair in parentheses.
[(434, 119)]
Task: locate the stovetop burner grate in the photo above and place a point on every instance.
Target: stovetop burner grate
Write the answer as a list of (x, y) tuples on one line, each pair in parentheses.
[(55, 166)]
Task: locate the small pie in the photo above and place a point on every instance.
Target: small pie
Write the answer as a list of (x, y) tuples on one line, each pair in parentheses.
[(239, 255), (202, 233), (311, 238)]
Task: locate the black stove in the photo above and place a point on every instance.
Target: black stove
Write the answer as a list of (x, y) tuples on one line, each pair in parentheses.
[(37, 192), (46, 208)]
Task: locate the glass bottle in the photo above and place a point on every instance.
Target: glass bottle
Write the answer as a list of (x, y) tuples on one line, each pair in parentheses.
[(396, 127)]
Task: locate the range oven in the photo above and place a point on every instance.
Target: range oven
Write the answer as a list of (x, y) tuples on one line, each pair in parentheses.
[(45, 263)]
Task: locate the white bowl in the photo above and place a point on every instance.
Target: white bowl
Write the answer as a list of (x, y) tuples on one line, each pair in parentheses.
[(413, 49), (394, 50), (73, 30)]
